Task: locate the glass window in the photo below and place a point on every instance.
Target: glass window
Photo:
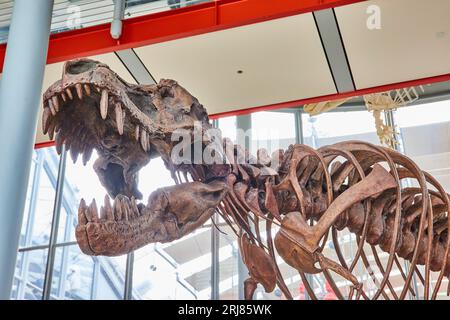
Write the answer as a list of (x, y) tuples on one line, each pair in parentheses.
[(77, 276), (40, 199), (229, 264), (333, 127), (156, 276), (228, 127), (425, 132), (31, 263), (326, 129), (30, 274), (81, 182), (177, 270), (273, 130)]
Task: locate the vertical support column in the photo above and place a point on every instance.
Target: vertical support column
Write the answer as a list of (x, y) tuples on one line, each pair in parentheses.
[(215, 267), (215, 246), (389, 117), (243, 124), (128, 289), (300, 140), (59, 195), (20, 91)]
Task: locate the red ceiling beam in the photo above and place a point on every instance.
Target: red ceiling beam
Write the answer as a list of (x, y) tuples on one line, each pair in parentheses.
[(336, 96), (175, 24)]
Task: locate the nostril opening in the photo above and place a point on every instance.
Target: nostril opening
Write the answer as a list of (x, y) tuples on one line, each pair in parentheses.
[(79, 67), (166, 92)]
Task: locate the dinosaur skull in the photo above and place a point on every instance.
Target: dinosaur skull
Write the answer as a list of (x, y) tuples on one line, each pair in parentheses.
[(91, 107)]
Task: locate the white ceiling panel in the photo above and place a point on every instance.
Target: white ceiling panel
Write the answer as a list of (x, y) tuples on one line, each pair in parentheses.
[(53, 73), (281, 60), (412, 43)]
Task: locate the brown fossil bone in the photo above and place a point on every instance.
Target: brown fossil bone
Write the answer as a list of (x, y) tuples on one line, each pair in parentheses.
[(260, 267), (171, 213), (306, 194)]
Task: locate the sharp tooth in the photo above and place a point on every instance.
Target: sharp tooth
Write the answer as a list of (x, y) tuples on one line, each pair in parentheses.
[(87, 155), (56, 103), (144, 142), (126, 209), (134, 207), (46, 118), (87, 88), (82, 220), (52, 108), (69, 93), (59, 143), (79, 89), (57, 127), (104, 104), (63, 96), (136, 133), (117, 209), (108, 209), (102, 214), (92, 212), (74, 154), (51, 130), (119, 118), (67, 142)]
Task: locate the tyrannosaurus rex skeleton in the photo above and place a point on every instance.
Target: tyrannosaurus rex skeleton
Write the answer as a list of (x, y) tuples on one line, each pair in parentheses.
[(308, 194)]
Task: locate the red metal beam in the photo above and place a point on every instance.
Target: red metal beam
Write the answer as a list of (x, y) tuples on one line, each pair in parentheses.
[(337, 96), (174, 24), (361, 92)]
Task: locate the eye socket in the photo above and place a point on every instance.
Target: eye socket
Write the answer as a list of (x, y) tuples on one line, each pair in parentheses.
[(80, 67)]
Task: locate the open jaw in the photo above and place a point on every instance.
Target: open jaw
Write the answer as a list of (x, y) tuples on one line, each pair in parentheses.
[(126, 226), (94, 112), (90, 108)]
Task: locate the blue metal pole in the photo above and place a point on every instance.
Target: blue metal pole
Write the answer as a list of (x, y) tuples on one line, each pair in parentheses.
[(20, 91)]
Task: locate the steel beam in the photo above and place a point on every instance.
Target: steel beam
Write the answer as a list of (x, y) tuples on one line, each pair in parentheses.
[(174, 24)]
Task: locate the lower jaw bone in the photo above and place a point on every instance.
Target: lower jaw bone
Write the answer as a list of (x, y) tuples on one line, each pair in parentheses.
[(124, 227)]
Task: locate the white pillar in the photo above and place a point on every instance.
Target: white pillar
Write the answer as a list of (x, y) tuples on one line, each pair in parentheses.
[(20, 95)]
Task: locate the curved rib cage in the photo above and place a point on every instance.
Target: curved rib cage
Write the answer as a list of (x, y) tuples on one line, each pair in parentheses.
[(317, 193), (309, 195)]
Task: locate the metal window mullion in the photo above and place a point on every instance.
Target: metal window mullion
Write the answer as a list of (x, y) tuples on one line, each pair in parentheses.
[(65, 254), (298, 127), (33, 199), (243, 123), (300, 140), (128, 287), (95, 274), (390, 121), (55, 224), (215, 267), (62, 281), (215, 245), (30, 224)]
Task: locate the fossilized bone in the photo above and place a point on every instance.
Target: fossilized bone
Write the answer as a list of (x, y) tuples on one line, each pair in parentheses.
[(377, 104), (309, 194)]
